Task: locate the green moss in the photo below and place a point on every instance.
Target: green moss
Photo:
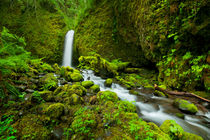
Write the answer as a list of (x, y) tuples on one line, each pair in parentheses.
[(95, 89), (190, 136), (171, 128), (185, 106), (159, 93), (126, 106), (55, 110), (84, 123), (76, 77), (74, 99), (107, 96), (30, 127), (49, 81), (87, 84), (46, 95), (133, 92), (108, 82), (180, 115)]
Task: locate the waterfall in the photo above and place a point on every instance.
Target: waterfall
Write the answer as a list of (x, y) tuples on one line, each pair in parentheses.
[(68, 49)]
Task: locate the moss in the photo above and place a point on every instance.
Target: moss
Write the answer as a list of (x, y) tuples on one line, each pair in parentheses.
[(180, 115), (47, 95), (30, 127), (159, 93), (149, 87), (76, 77), (158, 134), (87, 84), (49, 81), (84, 123), (133, 92), (190, 136), (95, 89), (107, 96), (101, 65), (108, 82), (185, 106), (55, 111), (74, 99), (126, 106), (171, 128)]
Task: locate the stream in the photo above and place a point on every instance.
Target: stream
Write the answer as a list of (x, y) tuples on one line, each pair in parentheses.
[(156, 109), (149, 107)]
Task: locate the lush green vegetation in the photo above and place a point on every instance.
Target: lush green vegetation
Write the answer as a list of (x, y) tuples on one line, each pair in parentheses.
[(133, 43)]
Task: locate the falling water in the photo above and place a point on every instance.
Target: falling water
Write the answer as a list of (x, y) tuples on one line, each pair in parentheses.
[(68, 48)]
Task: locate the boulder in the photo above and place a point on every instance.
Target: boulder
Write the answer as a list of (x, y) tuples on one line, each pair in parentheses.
[(185, 106)]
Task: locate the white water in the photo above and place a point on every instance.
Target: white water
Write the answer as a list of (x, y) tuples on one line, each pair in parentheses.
[(68, 48), (156, 109)]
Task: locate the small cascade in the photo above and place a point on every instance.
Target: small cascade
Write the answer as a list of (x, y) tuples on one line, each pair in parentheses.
[(68, 49)]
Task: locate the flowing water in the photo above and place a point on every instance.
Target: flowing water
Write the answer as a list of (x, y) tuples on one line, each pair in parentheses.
[(150, 107)]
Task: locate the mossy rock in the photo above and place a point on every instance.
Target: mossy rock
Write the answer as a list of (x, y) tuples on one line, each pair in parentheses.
[(149, 87), (67, 90), (84, 123), (76, 77), (55, 111), (46, 95), (190, 136), (107, 96), (133, 92), (185, 106), (159, 93), (158, 134), (94, 89), (49, 81), (87, 84), (30, 127), (174, 130), (74, 99), (180, 115), (108, 82), (126, 106)]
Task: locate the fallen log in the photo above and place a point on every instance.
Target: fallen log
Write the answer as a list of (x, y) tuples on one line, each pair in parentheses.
[(180, 93)]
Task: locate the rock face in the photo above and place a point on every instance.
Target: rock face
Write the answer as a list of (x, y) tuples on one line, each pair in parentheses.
[(129, 30), (185, 106)]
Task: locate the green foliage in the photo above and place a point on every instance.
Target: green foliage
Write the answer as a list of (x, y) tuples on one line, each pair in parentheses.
[(187, 70), (13, 57), (37, 97), (7, 132)]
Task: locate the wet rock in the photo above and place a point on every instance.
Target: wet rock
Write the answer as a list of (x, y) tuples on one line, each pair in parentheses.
[(87, 84), (76, 77), (171, 128), (57, 133), (159, 93), (108, 82), (49, 81), (29, 90), (185, 106), (180, 115), (107, 96), (133, 92), (74, 100), (55, 110), (47, 95), (126, 106), (21, 88), (94, 89)]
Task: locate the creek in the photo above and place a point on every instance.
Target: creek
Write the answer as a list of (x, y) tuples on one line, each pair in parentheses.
[(149, 107)]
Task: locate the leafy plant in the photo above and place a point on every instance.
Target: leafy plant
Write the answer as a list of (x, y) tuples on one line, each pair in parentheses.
[(7, 132)]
